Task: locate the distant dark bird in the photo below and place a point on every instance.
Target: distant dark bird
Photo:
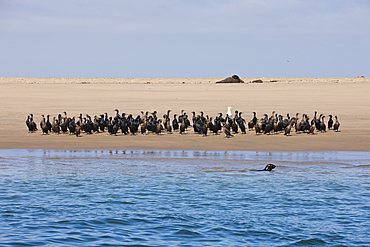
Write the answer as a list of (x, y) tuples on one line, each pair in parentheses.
[(204, 128), (222, 120), (330, 122), (212, 126), (55, 126), (336, 124), (285, 121), (86, 126), (227, 132), (117, 115), (30, 123), (115, 126), (48, 124), (43, 126), (280, 124), (289, 126), (187, 121), (322, 124), (64, 126), (72, 126), (159, 127), (242, 126), (78, 130), (263, 122), (95, 125), (234, 126), (269, 127), (287, 130), (134, 126), (182, 126), (34, 126), (312, 129), (297, 123), (258, 127), (253, 122), (318, 122), (109, 125), (175, 123), (101, 123), (143, 128), (124, 127), (168, 125)]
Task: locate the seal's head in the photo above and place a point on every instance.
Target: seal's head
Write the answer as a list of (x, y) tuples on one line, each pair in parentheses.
[(269, 167)]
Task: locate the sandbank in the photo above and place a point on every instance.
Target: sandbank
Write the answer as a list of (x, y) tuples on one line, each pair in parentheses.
[(347, 98)]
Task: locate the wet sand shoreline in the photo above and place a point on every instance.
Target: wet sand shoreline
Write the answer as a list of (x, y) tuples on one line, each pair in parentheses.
[(348, 98)]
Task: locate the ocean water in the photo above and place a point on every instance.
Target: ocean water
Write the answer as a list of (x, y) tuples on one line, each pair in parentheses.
[(183, 198)]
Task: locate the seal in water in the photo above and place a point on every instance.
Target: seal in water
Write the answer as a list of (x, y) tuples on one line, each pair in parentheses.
[(269, 167)]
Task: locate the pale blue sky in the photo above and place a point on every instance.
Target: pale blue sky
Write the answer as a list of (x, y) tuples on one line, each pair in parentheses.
[(184, 38)]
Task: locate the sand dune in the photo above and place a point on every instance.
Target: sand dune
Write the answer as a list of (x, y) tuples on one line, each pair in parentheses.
[(348, 98)]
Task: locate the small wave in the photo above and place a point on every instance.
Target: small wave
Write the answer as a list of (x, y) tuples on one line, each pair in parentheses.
[(187, 233), (306, 242)]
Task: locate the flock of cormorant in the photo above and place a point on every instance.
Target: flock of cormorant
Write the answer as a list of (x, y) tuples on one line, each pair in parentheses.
[(150, 123)]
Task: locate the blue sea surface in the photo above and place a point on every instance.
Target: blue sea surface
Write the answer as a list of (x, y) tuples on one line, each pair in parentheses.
[(183, 198)]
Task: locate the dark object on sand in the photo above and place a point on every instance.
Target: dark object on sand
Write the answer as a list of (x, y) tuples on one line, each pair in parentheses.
[(232, 79), (257, 81)]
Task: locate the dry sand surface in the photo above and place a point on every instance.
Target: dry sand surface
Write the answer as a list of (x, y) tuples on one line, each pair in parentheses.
[(348, 98)]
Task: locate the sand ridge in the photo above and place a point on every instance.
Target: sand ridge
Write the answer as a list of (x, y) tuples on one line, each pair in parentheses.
[(29, 80)]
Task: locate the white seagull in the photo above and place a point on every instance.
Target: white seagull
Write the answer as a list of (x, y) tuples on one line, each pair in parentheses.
[(229, 111)]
